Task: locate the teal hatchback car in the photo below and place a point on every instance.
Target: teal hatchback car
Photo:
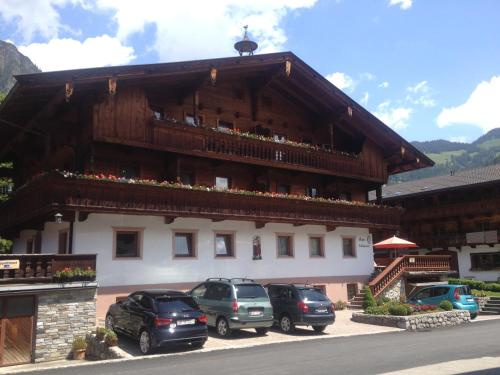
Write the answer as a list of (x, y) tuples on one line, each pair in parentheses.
[(459, 295)]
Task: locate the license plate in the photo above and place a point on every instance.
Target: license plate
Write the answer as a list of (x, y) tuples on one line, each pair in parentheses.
[(470, 299), (185, 322), (321, 311), (255, 313)]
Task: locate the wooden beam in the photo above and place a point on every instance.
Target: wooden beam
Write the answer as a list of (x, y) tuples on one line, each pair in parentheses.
[(45, 112)]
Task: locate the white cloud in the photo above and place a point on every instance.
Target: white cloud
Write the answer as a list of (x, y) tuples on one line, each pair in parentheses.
[(182, 34), (403, 4), (384, 85), (60, 54), (481, 109), (365, 98), (36, 17), (341, 80), (179, 32), (367, 76), (420, 94), (396, 117)]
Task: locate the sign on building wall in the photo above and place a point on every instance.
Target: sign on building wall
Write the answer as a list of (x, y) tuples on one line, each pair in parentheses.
[(365, 241), (11, 264)]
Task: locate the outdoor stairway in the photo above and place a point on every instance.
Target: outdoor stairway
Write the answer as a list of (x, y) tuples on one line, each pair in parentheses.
[(492, 307), (356, 303)]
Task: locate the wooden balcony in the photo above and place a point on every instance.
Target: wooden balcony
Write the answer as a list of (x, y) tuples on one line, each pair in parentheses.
[(207, 142), (430, 241), (52, 193), (463, 209), (408, 263), (41, 268)]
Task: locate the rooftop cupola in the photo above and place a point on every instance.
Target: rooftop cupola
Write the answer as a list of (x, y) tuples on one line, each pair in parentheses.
[(246, 45)]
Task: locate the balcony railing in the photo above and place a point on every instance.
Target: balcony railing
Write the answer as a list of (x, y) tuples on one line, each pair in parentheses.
[(41, 268), (408, 263), (206, 142), (478, 207), (55, 193), (429, 241)]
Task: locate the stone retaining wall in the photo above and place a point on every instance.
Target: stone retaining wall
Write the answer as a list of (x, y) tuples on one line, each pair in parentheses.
[(63, 314), (416, 322), (482, 301)]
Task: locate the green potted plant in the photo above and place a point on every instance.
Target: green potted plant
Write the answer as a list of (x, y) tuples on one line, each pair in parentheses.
[(100, 332), (79, 348), (111, 339)]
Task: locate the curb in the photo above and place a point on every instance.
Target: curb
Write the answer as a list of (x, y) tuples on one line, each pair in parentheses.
[(39, 367)]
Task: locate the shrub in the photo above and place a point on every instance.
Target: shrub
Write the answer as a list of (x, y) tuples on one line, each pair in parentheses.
[(100, 332), (340, 305), (368, 299), (477, 284), (79, 343), (446, 305), (377, 310), (111, 339), (383, 300), (400, 309)]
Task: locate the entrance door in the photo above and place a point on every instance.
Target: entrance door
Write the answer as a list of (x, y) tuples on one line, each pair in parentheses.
[(16, 329)]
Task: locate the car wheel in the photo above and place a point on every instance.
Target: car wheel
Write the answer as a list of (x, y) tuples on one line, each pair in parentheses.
[(223, 329), (286, 324), (109, 323), (319, 328), (145, 342), (261, 331)]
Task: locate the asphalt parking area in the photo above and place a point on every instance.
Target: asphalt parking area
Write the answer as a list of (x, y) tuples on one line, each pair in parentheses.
[(343, 326)]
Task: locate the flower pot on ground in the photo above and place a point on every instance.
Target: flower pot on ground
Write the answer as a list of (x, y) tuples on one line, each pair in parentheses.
[(111, 339), (79, 347)]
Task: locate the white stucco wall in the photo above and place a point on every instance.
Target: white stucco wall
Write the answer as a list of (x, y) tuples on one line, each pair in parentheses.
[(464, 263), (95, 235), (157, 265)]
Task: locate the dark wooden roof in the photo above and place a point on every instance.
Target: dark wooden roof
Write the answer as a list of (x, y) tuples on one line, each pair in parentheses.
[(458, 180), (39, 93)]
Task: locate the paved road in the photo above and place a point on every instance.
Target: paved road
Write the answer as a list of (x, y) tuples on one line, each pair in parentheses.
[(374, 354)]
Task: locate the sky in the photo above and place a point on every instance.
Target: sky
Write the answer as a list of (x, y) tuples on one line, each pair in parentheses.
[(430, 69)]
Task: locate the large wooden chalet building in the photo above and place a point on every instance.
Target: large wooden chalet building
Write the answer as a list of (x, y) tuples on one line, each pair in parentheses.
[(457, 215), (249, 166)]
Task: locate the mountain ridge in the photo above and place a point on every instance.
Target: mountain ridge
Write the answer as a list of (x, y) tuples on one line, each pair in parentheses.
[(13, 62), (455, 156)]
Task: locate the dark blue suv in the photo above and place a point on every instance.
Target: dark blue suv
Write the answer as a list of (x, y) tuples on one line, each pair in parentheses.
[(157, 318), (300, 305)]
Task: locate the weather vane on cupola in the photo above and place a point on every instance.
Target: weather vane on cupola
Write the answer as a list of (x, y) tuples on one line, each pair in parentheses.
[(246, 45)]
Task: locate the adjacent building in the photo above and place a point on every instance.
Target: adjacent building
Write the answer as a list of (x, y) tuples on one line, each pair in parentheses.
[(250, 166), (457, 214)]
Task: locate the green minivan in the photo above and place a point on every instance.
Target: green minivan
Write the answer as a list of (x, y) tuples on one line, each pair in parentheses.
[(231, 304)]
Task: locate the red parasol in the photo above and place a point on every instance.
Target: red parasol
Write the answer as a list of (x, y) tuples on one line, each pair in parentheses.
[(394, 243)]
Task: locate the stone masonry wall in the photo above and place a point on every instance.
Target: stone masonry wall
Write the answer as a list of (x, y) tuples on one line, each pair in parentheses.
[(416, 322), (395, 290), (63, 314)]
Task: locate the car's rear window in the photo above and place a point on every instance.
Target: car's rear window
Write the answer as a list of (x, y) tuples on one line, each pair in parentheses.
[(250, 291), (464, 291), (175, 304), (312, 294)]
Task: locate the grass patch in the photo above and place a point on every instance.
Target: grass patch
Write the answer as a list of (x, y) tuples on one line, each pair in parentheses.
[(445, 156)]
